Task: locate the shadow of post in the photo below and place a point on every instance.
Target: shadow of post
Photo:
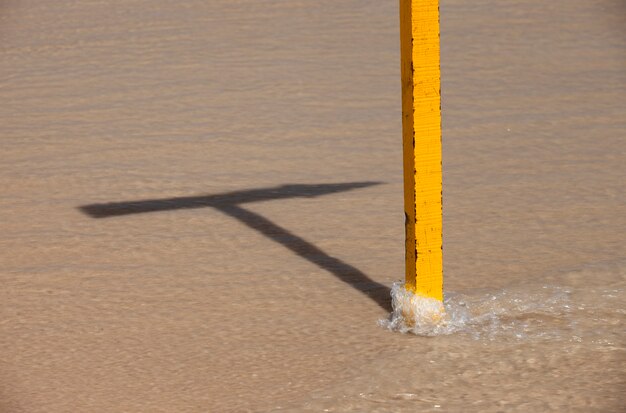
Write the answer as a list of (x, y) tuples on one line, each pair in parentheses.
[(229, 204)]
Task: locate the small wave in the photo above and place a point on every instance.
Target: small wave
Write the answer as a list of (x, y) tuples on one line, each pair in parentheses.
[(517, 314)]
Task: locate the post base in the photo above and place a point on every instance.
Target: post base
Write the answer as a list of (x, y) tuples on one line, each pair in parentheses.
[(414, 313)]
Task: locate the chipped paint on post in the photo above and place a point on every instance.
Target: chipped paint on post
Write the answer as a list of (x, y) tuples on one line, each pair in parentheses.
[(421, 138)]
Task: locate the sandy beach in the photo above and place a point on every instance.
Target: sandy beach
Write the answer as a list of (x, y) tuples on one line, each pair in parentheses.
[(201, 208)]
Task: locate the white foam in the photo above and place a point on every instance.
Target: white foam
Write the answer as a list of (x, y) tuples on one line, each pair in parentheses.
[(416, 314), (512, 313)]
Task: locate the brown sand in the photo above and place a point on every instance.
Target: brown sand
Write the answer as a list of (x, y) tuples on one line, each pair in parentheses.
[(274, 305)]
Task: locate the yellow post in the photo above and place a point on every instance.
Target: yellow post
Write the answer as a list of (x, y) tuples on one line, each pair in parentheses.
[(421, 140)]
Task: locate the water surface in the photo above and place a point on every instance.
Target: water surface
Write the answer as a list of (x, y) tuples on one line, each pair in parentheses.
[(270, 299)]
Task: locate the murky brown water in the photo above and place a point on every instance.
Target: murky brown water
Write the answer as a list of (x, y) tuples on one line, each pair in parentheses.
[(238, 293)]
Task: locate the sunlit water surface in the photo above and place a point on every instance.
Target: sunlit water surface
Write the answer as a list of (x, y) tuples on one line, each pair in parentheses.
[(172, 238)]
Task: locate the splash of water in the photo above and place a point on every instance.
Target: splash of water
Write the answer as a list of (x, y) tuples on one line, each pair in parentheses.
[(517, 314)]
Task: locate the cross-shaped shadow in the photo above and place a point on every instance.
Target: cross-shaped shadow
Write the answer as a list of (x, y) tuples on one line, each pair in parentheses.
[(230, 204)]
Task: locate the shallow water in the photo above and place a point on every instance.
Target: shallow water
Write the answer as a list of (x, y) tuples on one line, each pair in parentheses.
[(550, 350), (526, 311), (169, 240)]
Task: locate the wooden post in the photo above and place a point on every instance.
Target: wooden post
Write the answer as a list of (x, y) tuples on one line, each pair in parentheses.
[(421, 139)]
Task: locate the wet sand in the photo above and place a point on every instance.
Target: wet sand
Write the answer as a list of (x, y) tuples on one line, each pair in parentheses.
[(172, 238)]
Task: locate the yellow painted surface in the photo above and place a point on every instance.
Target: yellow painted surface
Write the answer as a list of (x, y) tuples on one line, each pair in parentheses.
[(421, 138)]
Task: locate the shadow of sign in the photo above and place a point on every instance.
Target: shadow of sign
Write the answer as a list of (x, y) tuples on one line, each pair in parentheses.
[(230, 203)]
